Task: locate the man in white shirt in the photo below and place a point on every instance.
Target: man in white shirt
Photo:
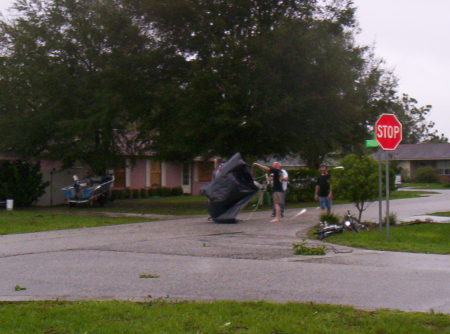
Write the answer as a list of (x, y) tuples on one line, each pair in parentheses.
[(284, 184)]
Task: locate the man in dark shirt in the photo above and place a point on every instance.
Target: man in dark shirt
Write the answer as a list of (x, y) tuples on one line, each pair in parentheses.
[(323, 189), (277, 177)]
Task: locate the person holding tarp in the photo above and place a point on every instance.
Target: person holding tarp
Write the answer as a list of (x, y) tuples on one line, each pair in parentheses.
[(230, 190), (277, 176)]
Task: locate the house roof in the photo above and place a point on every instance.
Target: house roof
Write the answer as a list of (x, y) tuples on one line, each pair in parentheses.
[(422, 151), (293, 161)]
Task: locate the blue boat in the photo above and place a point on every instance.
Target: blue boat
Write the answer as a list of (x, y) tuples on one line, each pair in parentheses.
[(91, 191)]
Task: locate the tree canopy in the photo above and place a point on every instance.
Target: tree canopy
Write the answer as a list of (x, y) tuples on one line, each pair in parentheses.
[(91, 80)]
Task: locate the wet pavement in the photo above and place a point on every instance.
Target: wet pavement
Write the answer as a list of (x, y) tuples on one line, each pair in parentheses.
[(193, 258)]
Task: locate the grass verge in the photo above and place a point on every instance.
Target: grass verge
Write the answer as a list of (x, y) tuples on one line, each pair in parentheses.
[(57, 317), (425, 185), (418, 238), (197, 205), (50, 218), (24, 221), (173, 205), (441, 213), (401, 194)]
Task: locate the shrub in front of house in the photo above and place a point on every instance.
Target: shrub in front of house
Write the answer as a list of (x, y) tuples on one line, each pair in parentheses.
[(150, 192), (426, 174), (21, 181), (177, 191), (116, 194), (165, 191), (301, 185), (136, 193), (143, 193), (129, 193), (155, 192)]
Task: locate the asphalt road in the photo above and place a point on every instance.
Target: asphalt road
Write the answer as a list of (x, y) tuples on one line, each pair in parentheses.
[(193, 258)]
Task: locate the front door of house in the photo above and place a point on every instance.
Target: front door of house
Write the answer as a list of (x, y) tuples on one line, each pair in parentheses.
[(186, 182), (155, 174)]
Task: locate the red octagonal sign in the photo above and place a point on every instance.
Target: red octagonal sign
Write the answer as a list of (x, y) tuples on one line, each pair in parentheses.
[(388, 131)]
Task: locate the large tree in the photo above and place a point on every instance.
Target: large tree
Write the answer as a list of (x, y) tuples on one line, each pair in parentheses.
[(261, 77), (88, 80), (73, 76)]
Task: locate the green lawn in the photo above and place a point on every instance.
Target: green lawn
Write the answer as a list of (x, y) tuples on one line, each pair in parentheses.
[(441, 213), (399, 194), (51, 218), (23, 221), (197, 205), (420, 238), (425, 185), (221, 317), (173, 205)]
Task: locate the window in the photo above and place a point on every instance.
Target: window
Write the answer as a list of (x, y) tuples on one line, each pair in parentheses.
[(443, 167)]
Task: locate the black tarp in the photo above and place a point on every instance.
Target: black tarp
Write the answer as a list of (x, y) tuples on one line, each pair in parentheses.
[(230, 190)]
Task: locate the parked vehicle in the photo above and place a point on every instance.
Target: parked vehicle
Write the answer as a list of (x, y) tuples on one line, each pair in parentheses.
[(91, 191), (349, 223)]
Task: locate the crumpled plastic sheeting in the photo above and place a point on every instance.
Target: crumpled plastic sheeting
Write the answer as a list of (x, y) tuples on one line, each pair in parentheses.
[(230, 190)]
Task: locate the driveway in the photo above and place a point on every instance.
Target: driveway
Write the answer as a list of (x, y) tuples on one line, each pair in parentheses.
[(194, 258)]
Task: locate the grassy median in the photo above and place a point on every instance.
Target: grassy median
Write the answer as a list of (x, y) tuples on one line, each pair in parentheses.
[(91, 317), (24, 221), (197, 205), (419, 238)]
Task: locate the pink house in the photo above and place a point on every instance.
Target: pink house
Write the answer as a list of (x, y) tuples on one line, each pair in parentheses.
[(142, 172), (148, 173)]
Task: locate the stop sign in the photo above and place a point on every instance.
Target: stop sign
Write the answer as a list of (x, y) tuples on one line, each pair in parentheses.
[(388, 131)]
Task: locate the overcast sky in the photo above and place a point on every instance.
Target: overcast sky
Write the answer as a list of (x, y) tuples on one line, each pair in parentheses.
[(413, 37)]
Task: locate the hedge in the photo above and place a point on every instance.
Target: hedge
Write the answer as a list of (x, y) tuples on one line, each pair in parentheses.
[(128, 193)]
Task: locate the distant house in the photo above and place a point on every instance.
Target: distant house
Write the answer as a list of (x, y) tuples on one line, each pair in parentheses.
[(141, 172), (412, 156), (289, 162), (146, 172)]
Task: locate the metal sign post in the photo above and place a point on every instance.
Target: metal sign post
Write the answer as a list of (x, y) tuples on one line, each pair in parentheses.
[(380, 193), (387, 196), (388, 132), (374, 143)]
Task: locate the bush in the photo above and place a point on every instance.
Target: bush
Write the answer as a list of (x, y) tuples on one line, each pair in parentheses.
[(117, 193), (426, 174), (136, 193), (177, 191), (301, 185), (143, 193), (165, 191), (158, 191), (128, 193), (330, 218), (392, 219), (301, 248), (21, 181)]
